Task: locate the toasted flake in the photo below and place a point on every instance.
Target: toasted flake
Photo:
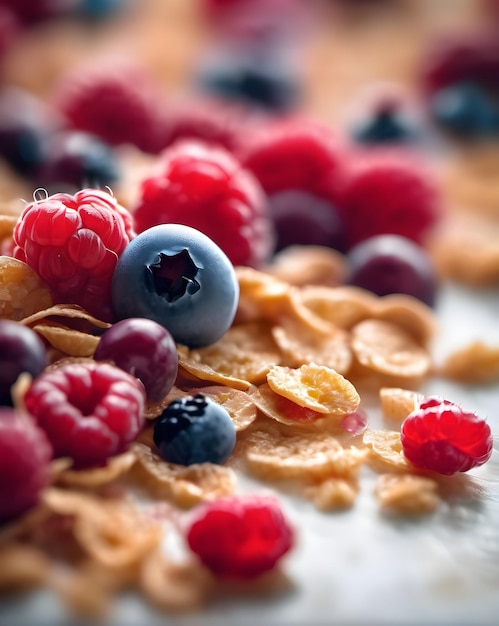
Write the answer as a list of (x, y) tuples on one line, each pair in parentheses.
[(315, 387), (397, 403), (261, 296), (22, 566), (409, 314), (279, 408), (22, 291), (174, 586), (407, 494), (185, 486), (308, 265), (7, 223), (383, 347), (300, 344), (333, 494), (95, 477), (475, 363), (83, 594), (272, 457), (386, 450), (189, 368), (67, 340), (72, 311), (245, 352)]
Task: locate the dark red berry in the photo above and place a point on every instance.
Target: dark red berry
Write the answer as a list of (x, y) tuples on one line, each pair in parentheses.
[(241, 536), (25, 455), (73, 243), (90, 411), (443, 437), (205, 187)]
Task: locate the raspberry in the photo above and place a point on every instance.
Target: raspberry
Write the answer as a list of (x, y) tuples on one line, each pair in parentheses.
[(205, 187), (295, 154), (25, 455), (442, 437), (90, 411), (118, 102), (388, 193), (241, 536), (73, 243)]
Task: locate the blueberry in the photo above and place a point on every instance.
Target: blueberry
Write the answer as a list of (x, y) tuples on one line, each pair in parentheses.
[(76, 160), (464, 109), (195, 429), (178, 277), (99, 9), (386, 264), (388, 125)]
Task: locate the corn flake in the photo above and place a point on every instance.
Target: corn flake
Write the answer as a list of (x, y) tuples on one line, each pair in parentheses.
[(407, 494), (67, 340), (397, 403), (475, 363), (315, 387), (308, 265), (386, 450), (95, 477), (333, 494)]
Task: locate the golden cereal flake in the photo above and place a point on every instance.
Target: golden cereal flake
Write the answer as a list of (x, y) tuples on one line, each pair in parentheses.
[(246, 352), (67, 340), (71, 311), (22, 291), (475, 363), (261, 296), (97, 476), (315, 387), (397, 403), (309, 265), (300, 344), (407, 494), (332, 493), (386, 348), (272, 457), (407, 313), (185, 486), (22, 566), (191, 369), (386, 450)]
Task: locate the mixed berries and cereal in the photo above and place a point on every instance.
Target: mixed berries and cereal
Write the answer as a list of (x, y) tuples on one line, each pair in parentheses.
[(212, 311)]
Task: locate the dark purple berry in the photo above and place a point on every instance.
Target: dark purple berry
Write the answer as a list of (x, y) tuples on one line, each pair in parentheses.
[(144, 349), (21, 351), (301, 218), (387, 264), (195, 429)]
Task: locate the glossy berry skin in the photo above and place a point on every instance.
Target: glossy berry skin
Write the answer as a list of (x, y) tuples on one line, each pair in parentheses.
[(443, 437), (195, 429), (144, 349), (178, 277), (26, 125), (464, 109), (115, 100), (21, 351), (386, 264), (388, 193), (240, 537), (75, 160), (301, 218), (205, 187), (73, 243), (89, 411), (25, 455)]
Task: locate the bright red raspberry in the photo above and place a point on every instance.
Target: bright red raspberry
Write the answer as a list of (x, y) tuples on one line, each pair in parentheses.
[(116, 101), (388, 193), (73, 243), (240, 536), (443, 437), (295, 153), (90, 411), (25, 455), (205, 187)]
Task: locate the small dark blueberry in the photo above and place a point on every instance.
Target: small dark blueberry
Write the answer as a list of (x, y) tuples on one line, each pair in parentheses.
[(386, 126)]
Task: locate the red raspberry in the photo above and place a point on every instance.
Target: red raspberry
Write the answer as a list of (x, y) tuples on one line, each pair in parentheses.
[(90, 411), (73, 243), (241, 536), (9, 29), (25, 455), (205, 187), (295, 154), (388, 193), (116, 101), (442, 437)]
